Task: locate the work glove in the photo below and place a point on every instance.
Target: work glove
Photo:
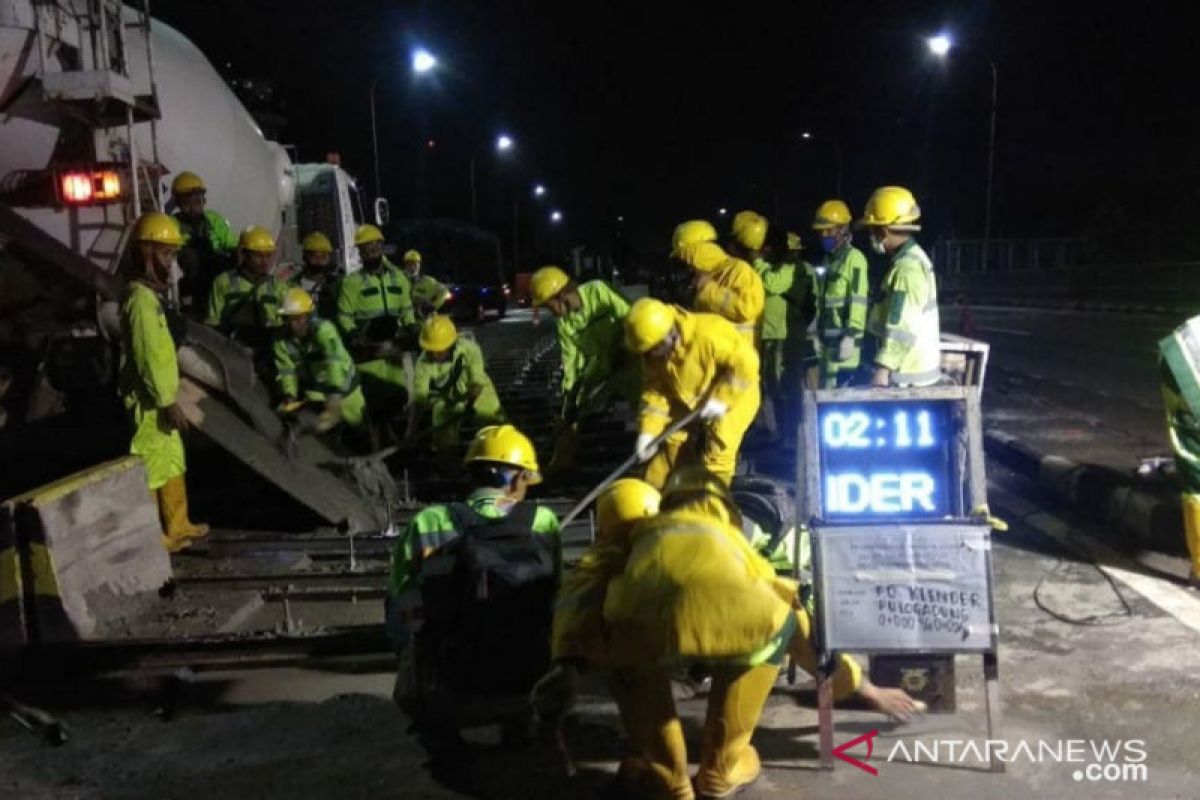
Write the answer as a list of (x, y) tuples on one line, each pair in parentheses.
[(555, 694), (288, 406), (644, 449), (713, 409), (331, 415), (846, 348)]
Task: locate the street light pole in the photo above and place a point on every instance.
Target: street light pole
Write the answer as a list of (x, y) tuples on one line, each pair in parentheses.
[(375, 140), (987, 214)]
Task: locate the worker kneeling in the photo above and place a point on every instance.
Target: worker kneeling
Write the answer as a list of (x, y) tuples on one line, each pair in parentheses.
[(677, 586), (312, 366), (474, 581), (691, 363), (451, 381)]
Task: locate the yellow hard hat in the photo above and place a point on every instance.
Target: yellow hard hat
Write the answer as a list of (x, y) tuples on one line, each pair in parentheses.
[(186, 183), (438, 333), (412, 255), (296, 302), (158, 228), (750, 230), (892, 207), (648, 323), (694, 230), (504, 444), (316, 242), (703, 256), (256, 239), (831, 214), (696, 480), (367, 234), (625, 502), (546, 283), (793, 241)]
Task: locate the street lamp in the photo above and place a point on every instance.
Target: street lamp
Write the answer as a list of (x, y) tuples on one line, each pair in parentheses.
[(556, 216), (539, 190), (808, 136), (422, 62), (940, 46), (504, 143), (722, 211)]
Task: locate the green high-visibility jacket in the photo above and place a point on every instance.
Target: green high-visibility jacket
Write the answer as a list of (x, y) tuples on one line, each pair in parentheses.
[(905, 319), (433, 528), (238, 303), (802, 309), (777, 280), (317, 366), (213, 227), (367, 296), (445, 387), (844, 302), (590, 339), (429, 292), (149, 382)]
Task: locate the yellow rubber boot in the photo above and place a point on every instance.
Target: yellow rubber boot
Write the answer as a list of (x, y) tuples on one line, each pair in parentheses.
[(178, 530), (1191, 534), (657, 764), (728, 763)]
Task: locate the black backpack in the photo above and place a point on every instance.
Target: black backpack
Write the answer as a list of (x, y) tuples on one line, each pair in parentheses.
[(487, 599), (768, 502)]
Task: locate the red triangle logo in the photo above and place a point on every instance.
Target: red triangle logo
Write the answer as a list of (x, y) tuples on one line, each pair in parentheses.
[(840, 751)]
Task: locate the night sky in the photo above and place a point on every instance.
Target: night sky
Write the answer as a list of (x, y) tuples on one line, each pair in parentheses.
[(659, 112)]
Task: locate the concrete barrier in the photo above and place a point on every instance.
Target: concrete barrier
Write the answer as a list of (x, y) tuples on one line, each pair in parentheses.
[(88, 543)]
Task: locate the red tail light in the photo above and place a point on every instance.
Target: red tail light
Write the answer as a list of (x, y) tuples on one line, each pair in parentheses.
[(89, 187)]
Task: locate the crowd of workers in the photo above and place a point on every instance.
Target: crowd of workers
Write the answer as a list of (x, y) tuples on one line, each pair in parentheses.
[(761, 324)]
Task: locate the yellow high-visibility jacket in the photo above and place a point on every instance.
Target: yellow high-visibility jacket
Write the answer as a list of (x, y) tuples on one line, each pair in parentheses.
[(905, 319), (734, 291), (709, 346)]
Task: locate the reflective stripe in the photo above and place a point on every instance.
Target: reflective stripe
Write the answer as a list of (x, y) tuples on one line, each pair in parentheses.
[(901, 336), (916, 378), (860, 301), (745, 326), (739, 384), (930, 306)]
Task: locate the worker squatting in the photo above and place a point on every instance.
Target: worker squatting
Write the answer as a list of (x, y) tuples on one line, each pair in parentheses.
[(673, 581)]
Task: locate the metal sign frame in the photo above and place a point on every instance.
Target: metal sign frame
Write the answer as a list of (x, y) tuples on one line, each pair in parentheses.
[(968, 468)]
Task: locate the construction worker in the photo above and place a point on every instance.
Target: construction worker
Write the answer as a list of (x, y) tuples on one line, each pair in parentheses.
[(725, 286), (149, 376), (244, 302), (1183, 429), (312, 366), (376, 320), (318, 274), (501, 465), (674, 582), (750, 236), (691, 361), (904, 319), (209, 243), (451, 381), (802, 361), (428, 295), (842, 316)]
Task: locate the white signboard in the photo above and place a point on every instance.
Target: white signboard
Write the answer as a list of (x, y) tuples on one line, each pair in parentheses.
[(905, 587)]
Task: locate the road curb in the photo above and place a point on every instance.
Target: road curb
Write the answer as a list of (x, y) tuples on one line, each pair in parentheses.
[(1094, 491)]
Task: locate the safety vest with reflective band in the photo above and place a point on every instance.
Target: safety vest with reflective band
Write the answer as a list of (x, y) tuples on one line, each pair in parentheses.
[(777, 281), (709, 348), (318, 364), (905, 319), (734, 291), (693, 588), (213, 228), (238, 303), (434, 527), (452, 380), (365, 297), (589, 339), (428, 292), (846, 298)]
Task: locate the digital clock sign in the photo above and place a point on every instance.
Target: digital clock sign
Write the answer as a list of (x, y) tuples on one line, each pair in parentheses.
[(886, 460)]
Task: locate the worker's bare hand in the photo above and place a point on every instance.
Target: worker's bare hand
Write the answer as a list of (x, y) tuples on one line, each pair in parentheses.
[(895, 703), (881, 377), (172, 418)]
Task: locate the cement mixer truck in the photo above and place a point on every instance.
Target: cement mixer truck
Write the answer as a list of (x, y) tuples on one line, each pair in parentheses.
[(100, 106)]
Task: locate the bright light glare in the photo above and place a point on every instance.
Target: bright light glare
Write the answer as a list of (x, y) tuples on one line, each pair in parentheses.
[(423, 61), (556, 216), (939, 45), (806, 135), (539, 190), (504, 142), (722, 211)]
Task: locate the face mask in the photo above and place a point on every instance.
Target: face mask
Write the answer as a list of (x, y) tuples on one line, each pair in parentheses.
[(877, 246), (829, 243)]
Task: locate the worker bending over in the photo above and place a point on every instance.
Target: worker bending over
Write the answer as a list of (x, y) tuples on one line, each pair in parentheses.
[(677, 585), (904, 319), (451, 382), (209, 243), (724, 285), (1183, 429), (842, 316), (244, 302), (149, 376), (318, 274), (375, 318), (312, 366), (691, 361), (428, 294)]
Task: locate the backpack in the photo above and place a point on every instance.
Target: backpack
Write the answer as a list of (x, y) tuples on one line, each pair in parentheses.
[(487, 599), (769, 503)]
